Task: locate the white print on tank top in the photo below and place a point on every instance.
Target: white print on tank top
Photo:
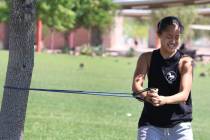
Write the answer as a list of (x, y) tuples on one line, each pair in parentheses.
[(170, 77)]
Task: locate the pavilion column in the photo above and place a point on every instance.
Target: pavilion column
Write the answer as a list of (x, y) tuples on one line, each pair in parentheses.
[(113, 39), (154, 41)]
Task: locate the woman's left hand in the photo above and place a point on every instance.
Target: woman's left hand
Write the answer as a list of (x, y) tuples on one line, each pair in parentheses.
[(158, 100)]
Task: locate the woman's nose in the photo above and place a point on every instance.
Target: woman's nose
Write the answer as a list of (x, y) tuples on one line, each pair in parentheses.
[(173, 41)]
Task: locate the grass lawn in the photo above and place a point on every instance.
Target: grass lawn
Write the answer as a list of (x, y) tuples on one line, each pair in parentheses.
[(54, 116)]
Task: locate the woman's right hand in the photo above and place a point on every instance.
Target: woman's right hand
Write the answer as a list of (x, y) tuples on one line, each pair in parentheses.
[(152, 93)]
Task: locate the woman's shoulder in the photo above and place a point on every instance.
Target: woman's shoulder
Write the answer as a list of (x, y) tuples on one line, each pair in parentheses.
[(146, 55), (146, 58), (186, 62), (186, 59)]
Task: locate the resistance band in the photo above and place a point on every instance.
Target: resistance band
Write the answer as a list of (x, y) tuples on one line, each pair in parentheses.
[(98, 93)]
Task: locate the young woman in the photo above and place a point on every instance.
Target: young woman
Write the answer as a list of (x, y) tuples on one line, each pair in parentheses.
[(167, 112)]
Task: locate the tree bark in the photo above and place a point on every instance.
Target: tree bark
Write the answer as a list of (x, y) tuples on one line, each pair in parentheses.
[(19, 69)]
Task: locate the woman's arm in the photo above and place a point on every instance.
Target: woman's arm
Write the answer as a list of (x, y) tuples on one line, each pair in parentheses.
[(140, 73), (186, 70)]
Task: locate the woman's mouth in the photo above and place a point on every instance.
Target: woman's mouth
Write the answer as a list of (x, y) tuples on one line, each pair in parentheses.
[(172, 46)]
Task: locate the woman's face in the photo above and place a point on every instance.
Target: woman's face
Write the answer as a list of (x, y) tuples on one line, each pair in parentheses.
[(169, 38)]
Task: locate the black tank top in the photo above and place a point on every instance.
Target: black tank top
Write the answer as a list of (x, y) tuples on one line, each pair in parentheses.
[(164, 74)]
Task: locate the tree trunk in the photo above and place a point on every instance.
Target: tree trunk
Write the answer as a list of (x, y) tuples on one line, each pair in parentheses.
[(96, 39), (66, 37), (6, 38), (69, 40), (19, 70), (52, 43)]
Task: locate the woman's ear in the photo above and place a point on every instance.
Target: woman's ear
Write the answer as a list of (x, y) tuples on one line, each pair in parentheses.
[(158, 34)]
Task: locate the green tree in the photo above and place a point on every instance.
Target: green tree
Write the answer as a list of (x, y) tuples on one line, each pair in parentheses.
[(64, 15), (186, 14), (57, 15), (136, 28), (4, 16), (4, 11), (96, 15)]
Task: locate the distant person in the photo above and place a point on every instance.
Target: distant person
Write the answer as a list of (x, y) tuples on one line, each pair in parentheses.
[(182, 47), (167, 112), (136, 42), (187, 51)]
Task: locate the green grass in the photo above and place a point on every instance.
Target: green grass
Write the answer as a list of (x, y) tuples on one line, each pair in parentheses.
[(52, 116)]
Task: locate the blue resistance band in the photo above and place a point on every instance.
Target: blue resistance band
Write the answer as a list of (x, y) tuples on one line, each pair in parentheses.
[(98, 93)]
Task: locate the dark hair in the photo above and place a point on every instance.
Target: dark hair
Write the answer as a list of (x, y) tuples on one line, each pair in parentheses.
[(167, 21)]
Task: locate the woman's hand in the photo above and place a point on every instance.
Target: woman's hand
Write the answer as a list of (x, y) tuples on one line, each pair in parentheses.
[(158, 100), (153, 98), (151, 94)]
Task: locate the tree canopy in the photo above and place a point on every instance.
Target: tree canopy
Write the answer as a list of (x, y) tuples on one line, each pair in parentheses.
[(94, 13), (4, 11), (57, 14), (68, 14)]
